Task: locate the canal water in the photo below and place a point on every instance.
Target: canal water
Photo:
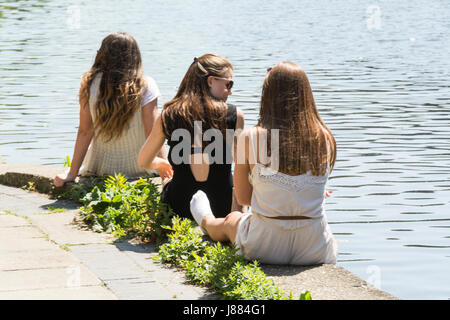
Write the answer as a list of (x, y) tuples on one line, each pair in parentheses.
[(380, 73)]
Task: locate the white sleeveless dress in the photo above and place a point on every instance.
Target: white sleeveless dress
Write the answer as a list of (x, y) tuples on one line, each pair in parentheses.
[(118, 155), (296, 242)]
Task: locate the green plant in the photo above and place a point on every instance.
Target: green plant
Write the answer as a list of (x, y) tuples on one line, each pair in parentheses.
[(183, 243), (216, 265), (77, 191), (306, 295), (54, 209), (67, 162), (30, 186), (126, 209), (247, 281), (213, 266)]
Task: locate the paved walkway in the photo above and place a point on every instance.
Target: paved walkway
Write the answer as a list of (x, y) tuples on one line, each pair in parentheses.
[(44, 255)]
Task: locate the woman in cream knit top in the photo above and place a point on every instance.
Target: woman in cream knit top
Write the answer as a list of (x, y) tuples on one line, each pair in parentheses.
[(118, 108)]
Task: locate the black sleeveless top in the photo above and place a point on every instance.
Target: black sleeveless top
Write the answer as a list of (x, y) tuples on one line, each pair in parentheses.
[(219, 184)]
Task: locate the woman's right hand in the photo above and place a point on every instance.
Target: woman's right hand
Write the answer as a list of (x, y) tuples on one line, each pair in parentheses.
[(62, 178), (164, 168)]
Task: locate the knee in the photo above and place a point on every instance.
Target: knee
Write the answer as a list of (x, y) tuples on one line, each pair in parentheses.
[(231, 224), (233, 217)]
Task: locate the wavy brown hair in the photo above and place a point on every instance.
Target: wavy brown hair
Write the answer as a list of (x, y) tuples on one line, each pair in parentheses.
[(287, 104), (120, 92), (193, 101)]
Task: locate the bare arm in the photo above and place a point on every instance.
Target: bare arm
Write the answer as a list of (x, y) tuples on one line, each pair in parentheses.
[(149, 115), (148, 156), (236, 206), (242, 187), (239, 127), (84, 137)]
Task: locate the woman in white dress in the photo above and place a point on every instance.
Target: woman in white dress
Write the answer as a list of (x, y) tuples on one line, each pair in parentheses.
[(286, 192), (118, 108)]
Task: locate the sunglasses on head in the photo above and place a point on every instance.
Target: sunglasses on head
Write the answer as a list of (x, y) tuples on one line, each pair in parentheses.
[(228, 84)]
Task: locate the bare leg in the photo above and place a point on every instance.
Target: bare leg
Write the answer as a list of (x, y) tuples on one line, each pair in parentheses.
[(222, 229), (219, 229)]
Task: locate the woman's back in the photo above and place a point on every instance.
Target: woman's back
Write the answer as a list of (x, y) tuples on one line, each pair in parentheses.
[(287, 224), (279, 194), (117, 112), (216, 181), (119, 154)]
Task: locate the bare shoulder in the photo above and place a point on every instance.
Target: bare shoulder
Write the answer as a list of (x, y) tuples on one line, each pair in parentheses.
[(249, 134), (239, 113), (247, 131), (245, 134), (239, 119)]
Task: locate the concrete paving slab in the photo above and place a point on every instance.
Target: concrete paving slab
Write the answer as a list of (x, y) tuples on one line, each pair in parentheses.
[(25, 203), (61, 228), (5, 190), (79, 293), (9, 220), (139, 289), (37, 199), (170, 277), (30, 244), (21, 205), (72, 276), (127, 270), (107, 262), (32, 265), (141, 254), (37, 259), (7, 234), (182, 291)]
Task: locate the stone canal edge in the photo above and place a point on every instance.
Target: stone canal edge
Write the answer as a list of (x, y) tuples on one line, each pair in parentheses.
[(47, 254)]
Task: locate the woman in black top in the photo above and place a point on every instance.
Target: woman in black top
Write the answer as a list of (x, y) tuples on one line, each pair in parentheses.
[(195, 123)]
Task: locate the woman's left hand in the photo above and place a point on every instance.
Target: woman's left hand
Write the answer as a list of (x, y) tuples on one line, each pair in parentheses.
[(164, 168), (62, 178)]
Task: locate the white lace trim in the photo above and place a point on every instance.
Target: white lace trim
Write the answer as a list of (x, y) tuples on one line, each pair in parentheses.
[(285, 181)]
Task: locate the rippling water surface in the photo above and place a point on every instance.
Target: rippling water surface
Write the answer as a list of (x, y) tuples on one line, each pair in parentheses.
[(379, 70)]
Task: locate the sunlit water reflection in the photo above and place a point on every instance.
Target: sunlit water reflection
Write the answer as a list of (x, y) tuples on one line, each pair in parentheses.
[(382, 89)]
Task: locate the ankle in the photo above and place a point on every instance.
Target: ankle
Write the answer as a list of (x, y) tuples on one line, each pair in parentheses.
[(207, 220)]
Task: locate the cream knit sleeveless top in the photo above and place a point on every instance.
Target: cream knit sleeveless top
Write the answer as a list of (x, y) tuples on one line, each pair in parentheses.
[(279, 194), (118, 155)]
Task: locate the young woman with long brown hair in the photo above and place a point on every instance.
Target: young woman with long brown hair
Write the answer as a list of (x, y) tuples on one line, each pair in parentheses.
[(287, 224), (198, 107), (118, 108)]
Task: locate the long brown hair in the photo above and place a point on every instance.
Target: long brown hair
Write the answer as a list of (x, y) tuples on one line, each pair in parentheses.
[(120, 91), (287, 104), (193, 101)]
